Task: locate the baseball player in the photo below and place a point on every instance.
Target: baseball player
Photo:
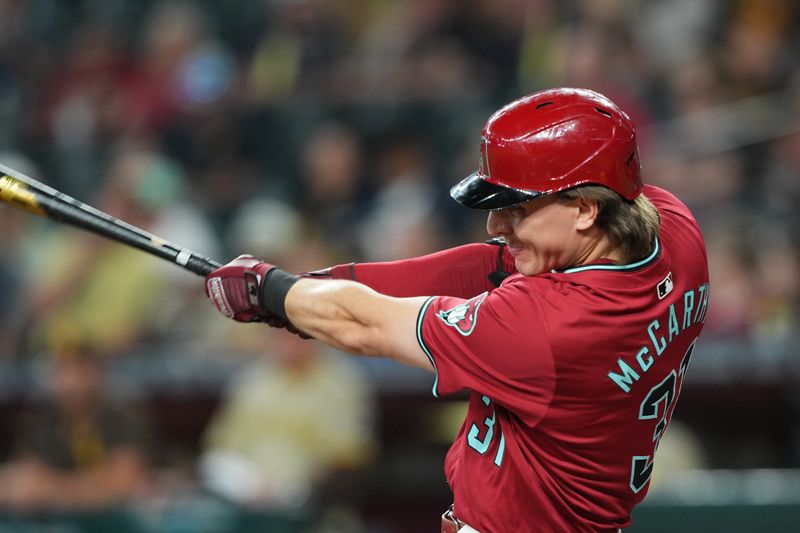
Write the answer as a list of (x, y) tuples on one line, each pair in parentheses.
[(572, 329)]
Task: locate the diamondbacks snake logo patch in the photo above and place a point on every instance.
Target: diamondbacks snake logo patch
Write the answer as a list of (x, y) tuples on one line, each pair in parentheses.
[(464, 316)]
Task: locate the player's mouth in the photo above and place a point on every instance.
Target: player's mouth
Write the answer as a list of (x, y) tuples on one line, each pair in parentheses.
[(514, 249)]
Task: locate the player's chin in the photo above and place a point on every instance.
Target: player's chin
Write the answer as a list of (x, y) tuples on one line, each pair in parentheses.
[(528, 267)]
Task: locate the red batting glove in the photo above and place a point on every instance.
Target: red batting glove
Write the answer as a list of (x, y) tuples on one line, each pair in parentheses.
[(235, 289)]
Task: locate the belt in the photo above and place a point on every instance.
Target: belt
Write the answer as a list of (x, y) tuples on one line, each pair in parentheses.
[(451, 524)]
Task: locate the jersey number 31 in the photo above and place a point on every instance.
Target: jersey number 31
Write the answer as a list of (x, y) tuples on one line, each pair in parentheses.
[(664, 393)]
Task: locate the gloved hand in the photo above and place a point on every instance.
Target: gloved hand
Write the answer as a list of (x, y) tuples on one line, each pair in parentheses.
[(236, 288)]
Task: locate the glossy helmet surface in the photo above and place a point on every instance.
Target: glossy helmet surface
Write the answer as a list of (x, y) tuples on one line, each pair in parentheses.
[(551, 141)]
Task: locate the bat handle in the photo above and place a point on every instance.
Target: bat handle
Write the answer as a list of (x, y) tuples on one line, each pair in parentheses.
[(201, 265)]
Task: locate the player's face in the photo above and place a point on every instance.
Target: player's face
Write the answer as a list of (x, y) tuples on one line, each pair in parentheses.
[(541, 234)]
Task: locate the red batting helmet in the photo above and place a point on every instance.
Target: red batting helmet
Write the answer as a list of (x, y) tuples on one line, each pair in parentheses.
[(550, 141)]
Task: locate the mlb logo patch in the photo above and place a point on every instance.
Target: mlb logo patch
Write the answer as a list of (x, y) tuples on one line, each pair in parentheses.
[(665, 287)]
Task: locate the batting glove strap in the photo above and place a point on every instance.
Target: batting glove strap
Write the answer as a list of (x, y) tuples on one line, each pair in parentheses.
[(274, 289)]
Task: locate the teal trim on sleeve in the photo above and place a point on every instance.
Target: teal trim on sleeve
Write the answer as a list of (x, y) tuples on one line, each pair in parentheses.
[(421, 342), (631, 266)]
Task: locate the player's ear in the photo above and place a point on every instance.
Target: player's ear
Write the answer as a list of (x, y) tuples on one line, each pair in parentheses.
[(587, 210)]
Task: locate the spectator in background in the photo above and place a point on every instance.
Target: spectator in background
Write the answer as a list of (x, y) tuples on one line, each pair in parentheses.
[(178, 43), (17, 255), (295, 424), (731, 315), (88, 296), (81, 449), (402, 219), (779, 190), (331, 183), (13, 223), (299, 45), (753, 56), (776, 274), (87, 105)]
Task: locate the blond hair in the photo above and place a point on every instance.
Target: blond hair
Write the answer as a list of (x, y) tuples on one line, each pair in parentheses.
[(631, 225)]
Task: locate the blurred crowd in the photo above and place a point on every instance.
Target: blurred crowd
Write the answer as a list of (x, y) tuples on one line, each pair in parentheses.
[(313, 132)]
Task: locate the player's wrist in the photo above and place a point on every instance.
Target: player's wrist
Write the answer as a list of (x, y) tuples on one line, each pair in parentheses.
[(274, 288)]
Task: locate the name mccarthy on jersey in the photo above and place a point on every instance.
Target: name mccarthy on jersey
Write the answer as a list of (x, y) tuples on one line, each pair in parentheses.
[(682, 313)]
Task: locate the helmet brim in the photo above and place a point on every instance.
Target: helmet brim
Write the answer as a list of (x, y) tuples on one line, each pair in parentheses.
[(477, 193)]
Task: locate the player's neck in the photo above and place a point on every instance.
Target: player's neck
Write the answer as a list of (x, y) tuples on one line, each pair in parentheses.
[(600, 249)]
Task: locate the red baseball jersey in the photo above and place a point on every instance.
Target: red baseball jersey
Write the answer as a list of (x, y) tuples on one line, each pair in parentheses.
[(574, 376)]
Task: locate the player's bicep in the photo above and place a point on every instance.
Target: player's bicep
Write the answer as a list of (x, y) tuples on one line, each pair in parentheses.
[(396, 330)]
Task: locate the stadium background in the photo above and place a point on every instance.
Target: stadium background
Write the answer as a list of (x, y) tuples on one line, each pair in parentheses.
[(312, 132)]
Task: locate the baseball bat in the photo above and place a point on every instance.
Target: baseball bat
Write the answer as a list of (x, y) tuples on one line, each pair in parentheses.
[(26, 193)]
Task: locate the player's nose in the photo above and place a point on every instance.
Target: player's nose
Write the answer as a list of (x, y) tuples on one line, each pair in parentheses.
[(498, 223)]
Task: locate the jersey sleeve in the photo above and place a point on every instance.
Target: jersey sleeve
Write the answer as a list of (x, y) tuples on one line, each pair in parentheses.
[(463, 271), (666, 201), (495, 344), (677, 220)]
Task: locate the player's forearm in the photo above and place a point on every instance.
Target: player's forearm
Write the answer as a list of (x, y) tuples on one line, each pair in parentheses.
[(322, 310), (354, 318)]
